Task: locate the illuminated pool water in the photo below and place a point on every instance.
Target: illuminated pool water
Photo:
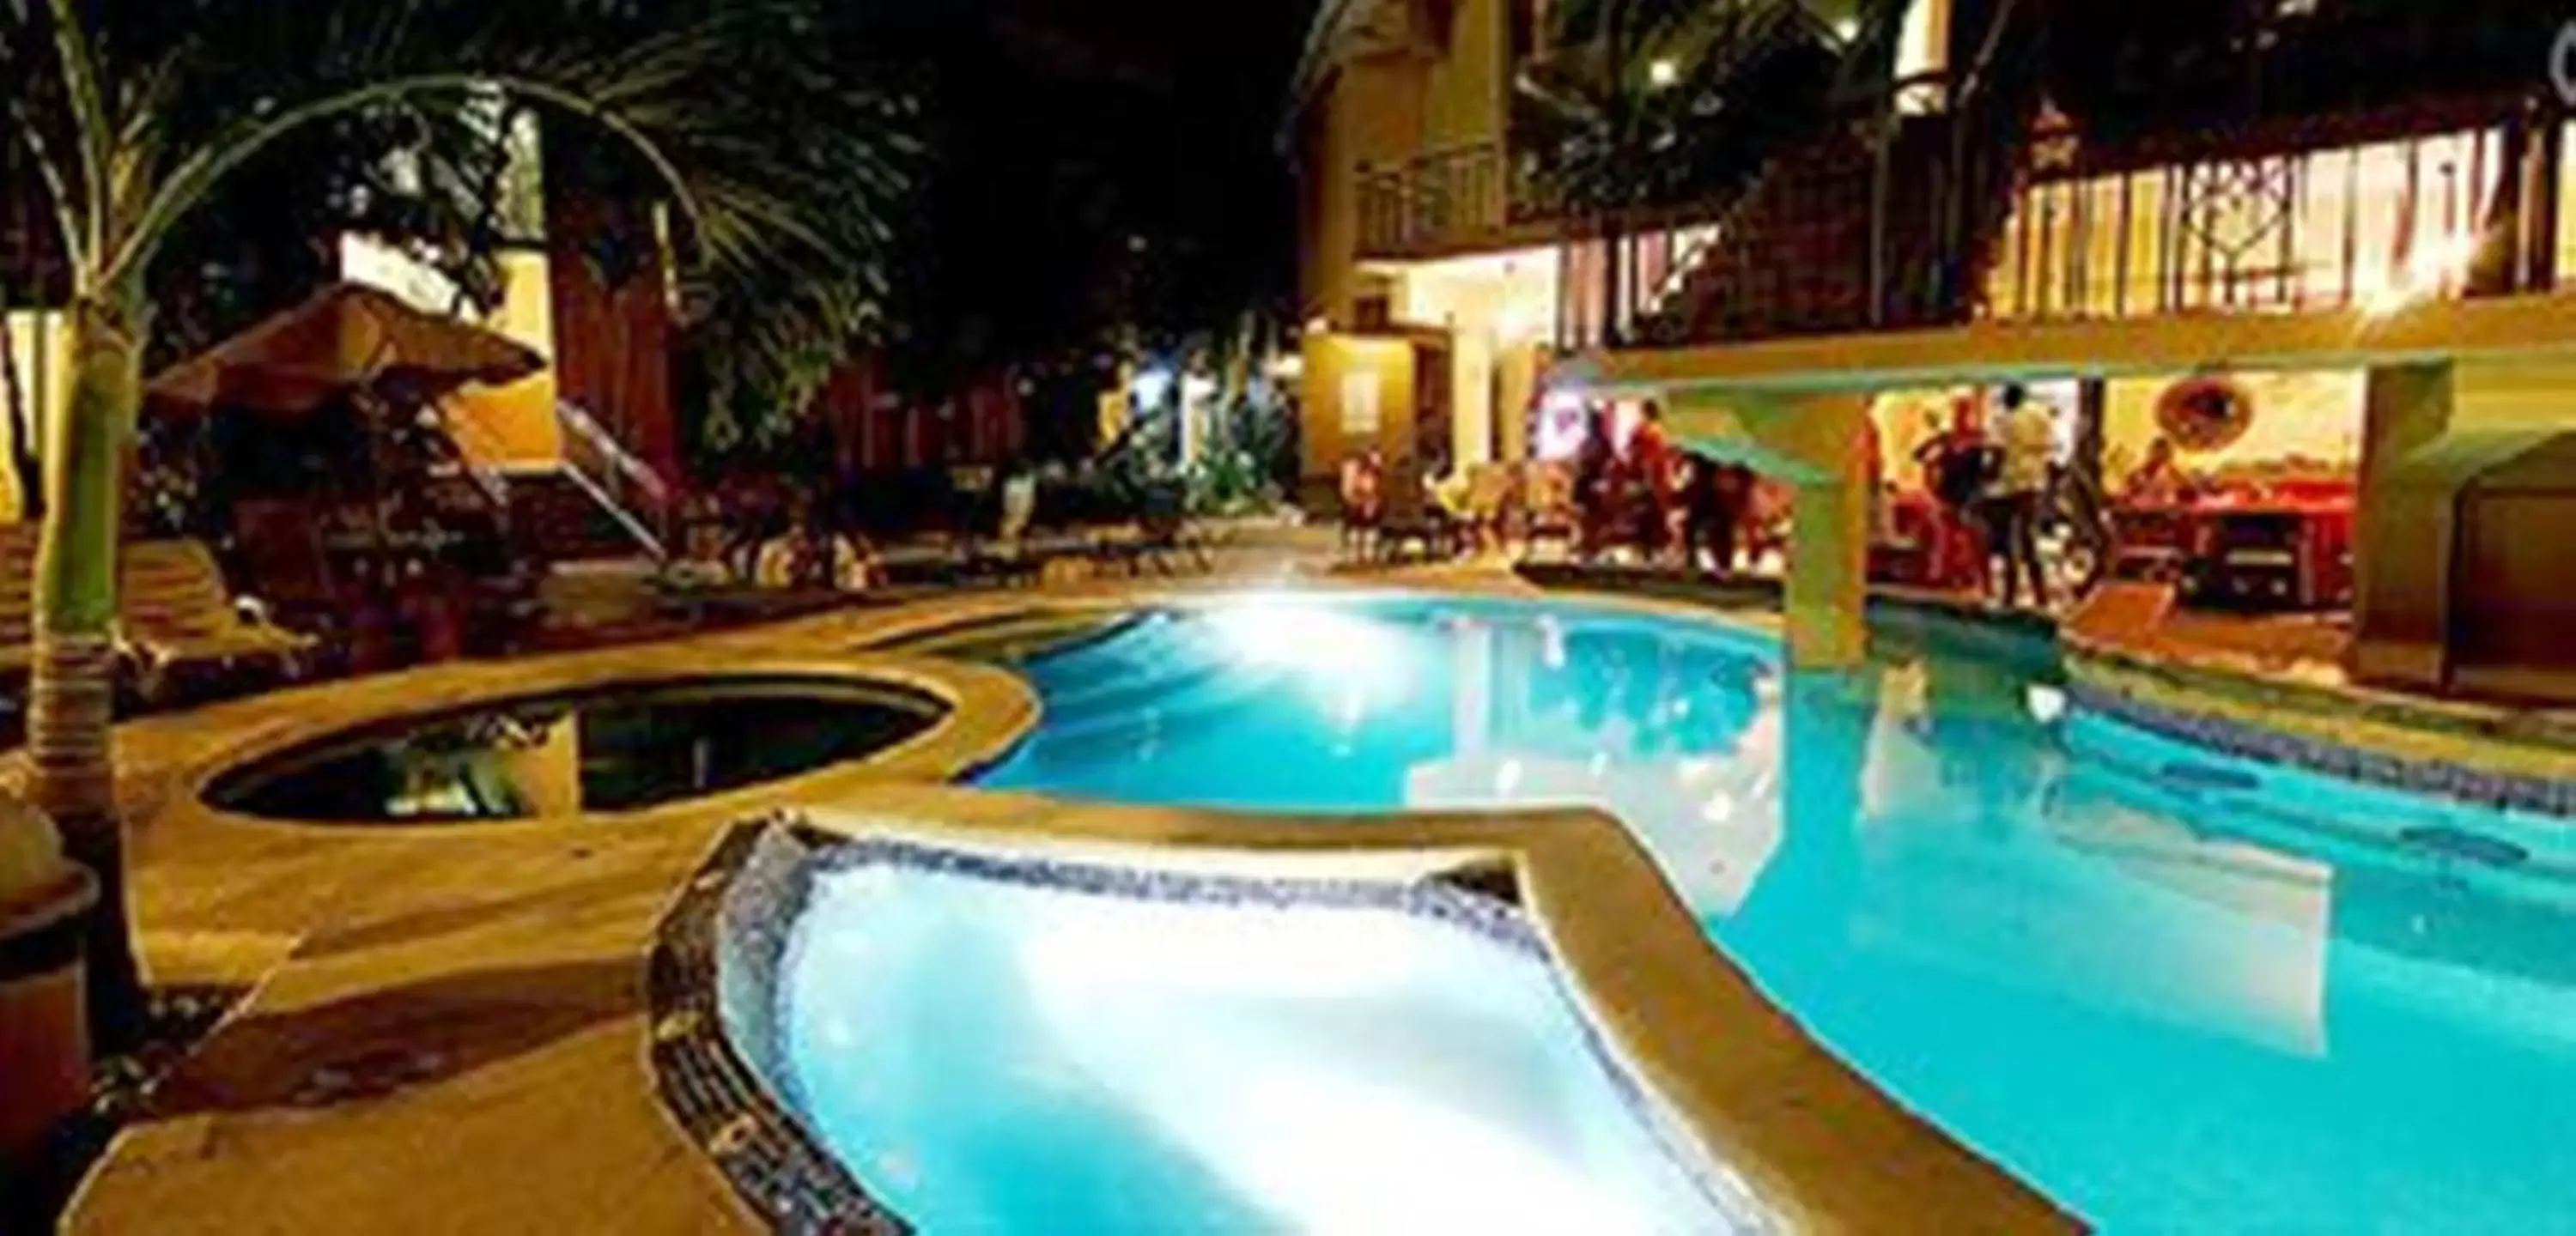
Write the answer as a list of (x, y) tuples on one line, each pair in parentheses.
[(1005, 1046), (2172, 990)]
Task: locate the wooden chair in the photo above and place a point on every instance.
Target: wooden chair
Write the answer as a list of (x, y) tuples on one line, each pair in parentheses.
[(1491, 492), (1411, 524), (1549, 502), (175, 611)]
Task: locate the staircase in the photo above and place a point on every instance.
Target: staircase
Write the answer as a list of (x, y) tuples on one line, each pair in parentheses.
[(1796, 255), (1839, 236), (555, 517)]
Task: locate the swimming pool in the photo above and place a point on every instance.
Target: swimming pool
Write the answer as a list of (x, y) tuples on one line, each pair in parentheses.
[(1011, 1044), (2168, 988)]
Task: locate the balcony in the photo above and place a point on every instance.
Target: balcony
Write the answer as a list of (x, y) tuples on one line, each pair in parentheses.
[(1441, 203), (2024, 224), (2369, 222)]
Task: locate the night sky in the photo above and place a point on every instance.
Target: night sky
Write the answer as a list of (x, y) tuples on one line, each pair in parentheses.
[(1104, 161)]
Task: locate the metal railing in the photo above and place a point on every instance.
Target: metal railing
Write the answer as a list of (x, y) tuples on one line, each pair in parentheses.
[(2373, 225), (1930, 220), (1440, 199), (624, 486)]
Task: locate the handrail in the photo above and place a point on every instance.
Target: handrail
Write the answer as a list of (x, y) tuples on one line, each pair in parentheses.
[(594, 460), (587, 428), (455, 430)]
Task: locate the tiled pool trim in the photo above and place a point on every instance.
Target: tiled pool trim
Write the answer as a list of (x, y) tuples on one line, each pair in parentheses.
[(2545, 796), (755, 887), (712, 960)]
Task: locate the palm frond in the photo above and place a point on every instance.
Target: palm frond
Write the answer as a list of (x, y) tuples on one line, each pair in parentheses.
[(782, 136)]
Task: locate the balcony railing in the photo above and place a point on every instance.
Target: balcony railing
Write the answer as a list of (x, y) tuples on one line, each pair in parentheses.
[(2366, 224), (1442, 200), (1917, 221)]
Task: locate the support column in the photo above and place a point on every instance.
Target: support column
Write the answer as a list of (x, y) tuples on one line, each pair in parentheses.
[(1814, 444), (1828, 575), (2402, 533)]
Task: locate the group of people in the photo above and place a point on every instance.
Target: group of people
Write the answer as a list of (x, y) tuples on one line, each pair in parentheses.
[(1990, 487), (1662, 502), (1638, 492)]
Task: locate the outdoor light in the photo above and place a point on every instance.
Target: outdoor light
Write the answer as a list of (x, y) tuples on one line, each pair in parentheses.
[(1663, 73)]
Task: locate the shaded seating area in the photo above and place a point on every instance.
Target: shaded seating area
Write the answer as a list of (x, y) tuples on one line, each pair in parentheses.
[(332, 487)]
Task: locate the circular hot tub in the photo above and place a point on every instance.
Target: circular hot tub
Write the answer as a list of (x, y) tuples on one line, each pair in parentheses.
[(620, 748)]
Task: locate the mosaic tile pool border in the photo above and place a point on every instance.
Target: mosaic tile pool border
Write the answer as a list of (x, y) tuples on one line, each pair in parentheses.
[(2542, 796), (715, 1011), (719, 1097)]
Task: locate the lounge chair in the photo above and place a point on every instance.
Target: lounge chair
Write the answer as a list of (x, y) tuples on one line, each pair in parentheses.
[(174, 611)]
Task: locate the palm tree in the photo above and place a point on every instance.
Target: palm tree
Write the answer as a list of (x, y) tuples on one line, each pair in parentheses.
[(784, 167)]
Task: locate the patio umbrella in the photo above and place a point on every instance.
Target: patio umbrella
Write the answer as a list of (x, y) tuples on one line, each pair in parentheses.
[(347, 337)]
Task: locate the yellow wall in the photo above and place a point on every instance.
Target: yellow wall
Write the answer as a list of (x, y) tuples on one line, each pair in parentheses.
[(1372, 113), (515, 424), (1388, 107), (1518, 371), (1333, 363), (1496, 308), (2314, 416), (1467, 87), (36, 342)]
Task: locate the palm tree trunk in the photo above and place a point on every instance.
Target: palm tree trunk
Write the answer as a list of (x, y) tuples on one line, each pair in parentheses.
[(74, 678)]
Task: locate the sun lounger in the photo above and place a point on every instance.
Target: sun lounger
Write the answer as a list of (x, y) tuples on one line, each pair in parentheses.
[(174, 611)]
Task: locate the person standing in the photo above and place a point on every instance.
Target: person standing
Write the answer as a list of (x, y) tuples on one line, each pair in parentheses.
[(1708, 527), (1363, 485), (2027, 438), (1956, 463)]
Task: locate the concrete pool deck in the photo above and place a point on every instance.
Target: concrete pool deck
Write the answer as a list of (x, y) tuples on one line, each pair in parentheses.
[(448, 1027)]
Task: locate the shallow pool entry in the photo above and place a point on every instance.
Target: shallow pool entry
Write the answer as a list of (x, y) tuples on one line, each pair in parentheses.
[(1006, 1044)]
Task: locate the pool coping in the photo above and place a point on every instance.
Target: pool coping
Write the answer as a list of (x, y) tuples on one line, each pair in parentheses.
[(323, 918)]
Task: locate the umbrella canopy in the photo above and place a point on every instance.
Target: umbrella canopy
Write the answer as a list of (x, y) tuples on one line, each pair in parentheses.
[(345, 338)]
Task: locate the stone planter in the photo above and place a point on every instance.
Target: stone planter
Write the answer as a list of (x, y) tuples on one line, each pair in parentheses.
[(44, 1029)]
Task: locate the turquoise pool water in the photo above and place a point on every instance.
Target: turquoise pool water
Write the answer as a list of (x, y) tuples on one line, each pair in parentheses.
[(2172, 990), (1057, 1059)]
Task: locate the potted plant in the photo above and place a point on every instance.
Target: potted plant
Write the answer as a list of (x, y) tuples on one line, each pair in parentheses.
[(44, 1027)]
